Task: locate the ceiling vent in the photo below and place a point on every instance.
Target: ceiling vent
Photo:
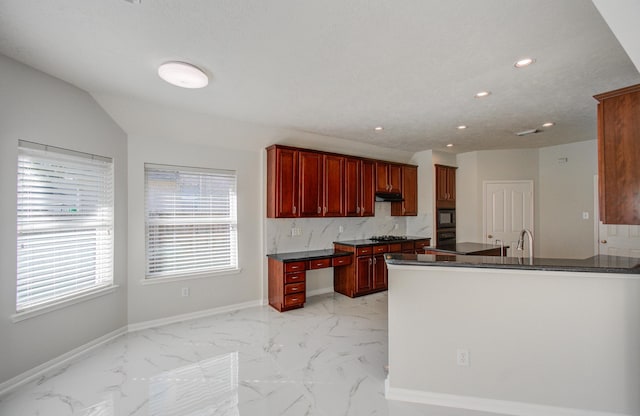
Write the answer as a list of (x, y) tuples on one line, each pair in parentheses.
[(527, 132)]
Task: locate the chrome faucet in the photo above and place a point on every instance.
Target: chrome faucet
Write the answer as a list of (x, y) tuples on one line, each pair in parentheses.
[(520, 245)]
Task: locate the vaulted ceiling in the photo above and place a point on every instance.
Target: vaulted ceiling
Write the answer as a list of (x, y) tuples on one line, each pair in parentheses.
[(342, 67)]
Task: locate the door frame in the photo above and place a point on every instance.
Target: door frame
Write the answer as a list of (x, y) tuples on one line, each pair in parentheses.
[(484, 202)]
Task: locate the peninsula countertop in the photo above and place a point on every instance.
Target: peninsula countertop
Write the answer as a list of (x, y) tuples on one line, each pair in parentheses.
[(467, 248), (596, 264)]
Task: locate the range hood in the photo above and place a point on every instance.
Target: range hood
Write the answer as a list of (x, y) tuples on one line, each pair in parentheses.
[(389, 197)]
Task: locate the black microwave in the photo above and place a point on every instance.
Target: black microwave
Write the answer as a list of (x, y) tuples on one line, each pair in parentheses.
[(446, 218)]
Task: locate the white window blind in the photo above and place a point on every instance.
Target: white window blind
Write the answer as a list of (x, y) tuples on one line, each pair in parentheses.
[(191, 222), (65, 224)]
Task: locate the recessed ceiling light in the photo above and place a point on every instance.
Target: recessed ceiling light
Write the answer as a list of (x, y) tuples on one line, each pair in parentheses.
[(379, 128), (183, 75), (482, 94), (450, 145), (462, 127), (524, 62), (549, 124)]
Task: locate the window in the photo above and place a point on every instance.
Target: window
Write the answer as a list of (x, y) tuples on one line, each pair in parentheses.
[(191, 223), (65, 224)]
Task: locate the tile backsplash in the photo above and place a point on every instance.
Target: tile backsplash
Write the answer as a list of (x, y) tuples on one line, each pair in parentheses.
[(320, 233)]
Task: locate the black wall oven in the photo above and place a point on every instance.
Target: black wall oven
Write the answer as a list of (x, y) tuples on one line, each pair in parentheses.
[(445, 237), (445, 218)]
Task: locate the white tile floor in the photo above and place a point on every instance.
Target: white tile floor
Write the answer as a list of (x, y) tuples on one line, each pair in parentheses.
[(326, 359)]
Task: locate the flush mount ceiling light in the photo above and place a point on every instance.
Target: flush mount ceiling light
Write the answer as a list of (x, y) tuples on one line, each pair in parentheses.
[(482, 94), (461, 127), (524, 62), (379, 128), (182, 74), (548, 124), (450, 145)]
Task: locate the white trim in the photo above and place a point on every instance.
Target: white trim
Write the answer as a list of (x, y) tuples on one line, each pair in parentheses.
[(40, 371), (63, 303), (178, 278), (192, 315), (486, 405)]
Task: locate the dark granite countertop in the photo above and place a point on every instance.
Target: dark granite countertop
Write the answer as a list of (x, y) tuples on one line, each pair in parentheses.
[(597, 264), (367, 242), (465, 248), (308, 255)]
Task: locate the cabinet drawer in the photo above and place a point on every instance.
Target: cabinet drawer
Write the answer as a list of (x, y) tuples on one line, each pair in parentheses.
[(407, 246), (341, 261), (395, 248), (380, 249), (319, 264), (294, 266), (363, 251), (294, 288), (294, 300), (296, 277)]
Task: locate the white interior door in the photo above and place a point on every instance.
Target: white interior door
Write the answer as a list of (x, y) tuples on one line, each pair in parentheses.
[(508, 208)]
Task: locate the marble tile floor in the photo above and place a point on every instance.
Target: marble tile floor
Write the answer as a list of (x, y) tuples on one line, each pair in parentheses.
[(326, 359)]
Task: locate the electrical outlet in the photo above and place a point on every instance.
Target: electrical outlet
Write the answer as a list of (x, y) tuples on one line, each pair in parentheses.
[(296, 232), (341, 229), (463, 357), (185, 291), (395, 226)]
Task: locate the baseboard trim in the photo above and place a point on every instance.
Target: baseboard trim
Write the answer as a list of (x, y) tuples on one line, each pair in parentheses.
[(192, 315), (486, 405), (57, 362)]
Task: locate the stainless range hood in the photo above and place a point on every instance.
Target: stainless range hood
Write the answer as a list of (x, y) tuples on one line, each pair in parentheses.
[(389, 197)]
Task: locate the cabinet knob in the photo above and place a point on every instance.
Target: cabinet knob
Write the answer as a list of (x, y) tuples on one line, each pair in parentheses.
[(603, 241)]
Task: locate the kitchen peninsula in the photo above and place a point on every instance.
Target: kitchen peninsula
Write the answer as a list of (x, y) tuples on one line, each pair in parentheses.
[(510, 335)]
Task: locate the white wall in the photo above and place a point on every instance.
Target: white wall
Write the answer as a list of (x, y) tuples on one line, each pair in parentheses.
[(164, 299), (560, 339), (561, 191), (565, 191), (37, 107)]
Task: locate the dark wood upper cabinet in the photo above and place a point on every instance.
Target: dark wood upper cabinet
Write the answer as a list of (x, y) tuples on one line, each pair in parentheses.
[(368, 186), (445, 186), (282, 182), (388, 177), (311, 184), (334, 186), (619, 155), (409, 205)]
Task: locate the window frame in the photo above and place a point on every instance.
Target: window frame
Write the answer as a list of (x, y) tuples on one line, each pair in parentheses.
[(232, 221), (57, 167)]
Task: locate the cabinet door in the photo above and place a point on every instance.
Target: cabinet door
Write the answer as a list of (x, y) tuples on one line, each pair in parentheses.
[(379, 272), (451, 184), (333, 186), (364, 272), (441, 183), (394, 175), (409, 205), (311, 186), (367, 188), (382, 179), (619, 156), (352, 187), (282, 198)]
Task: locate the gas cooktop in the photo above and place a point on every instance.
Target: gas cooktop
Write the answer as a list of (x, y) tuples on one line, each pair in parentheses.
[(387, 238)]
